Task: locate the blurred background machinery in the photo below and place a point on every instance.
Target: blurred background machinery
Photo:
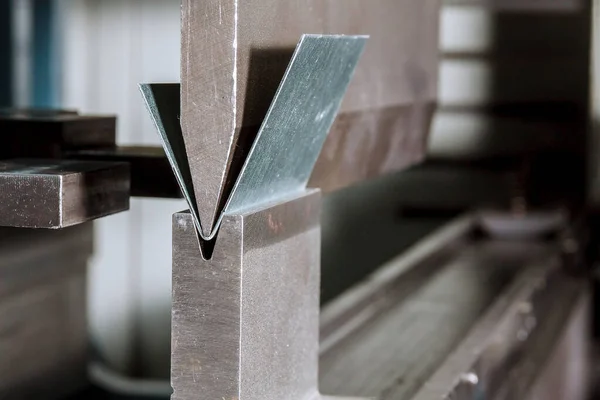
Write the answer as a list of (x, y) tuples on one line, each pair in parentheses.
[(425, 293)]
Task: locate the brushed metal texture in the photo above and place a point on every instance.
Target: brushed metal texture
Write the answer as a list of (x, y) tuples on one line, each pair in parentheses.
[(292, 134), (56, 194), (245, 324), (234, 53)]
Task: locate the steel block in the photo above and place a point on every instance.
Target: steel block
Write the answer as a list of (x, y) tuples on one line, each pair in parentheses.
[(245, 324)]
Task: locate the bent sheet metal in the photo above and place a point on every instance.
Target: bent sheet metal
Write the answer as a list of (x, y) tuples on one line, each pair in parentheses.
[(289, 141)]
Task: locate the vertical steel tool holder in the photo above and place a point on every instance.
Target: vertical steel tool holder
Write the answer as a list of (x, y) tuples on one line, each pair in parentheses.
[(245, 324)]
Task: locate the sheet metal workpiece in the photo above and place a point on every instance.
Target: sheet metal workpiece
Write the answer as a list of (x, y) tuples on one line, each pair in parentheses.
[(287, 145), (245, 324), (56, 194), (234, 53)]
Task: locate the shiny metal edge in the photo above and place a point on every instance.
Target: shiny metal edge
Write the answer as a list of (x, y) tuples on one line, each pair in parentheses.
[(163, 103)]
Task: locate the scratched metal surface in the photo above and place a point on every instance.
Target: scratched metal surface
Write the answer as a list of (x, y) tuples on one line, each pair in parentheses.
[(296, 125), (386, 357), (55, 194), (245, 323), (234, 53)]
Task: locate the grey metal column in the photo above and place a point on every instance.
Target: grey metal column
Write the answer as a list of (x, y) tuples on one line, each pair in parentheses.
[(246, 323)]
